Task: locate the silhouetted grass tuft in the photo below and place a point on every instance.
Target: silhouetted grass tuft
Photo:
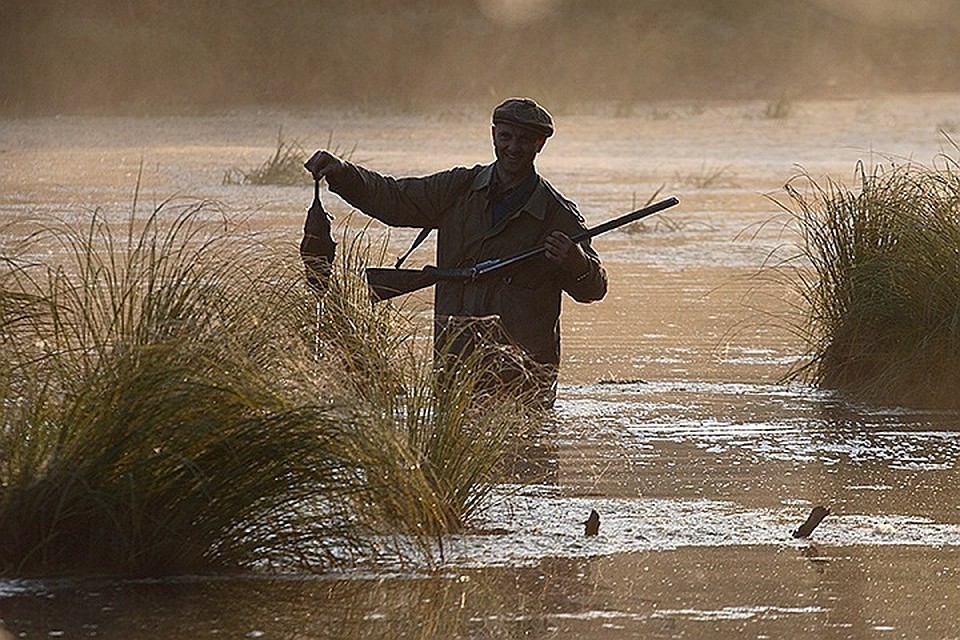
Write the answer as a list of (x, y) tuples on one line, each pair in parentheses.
[(434, 445), (157, 418), (284, 167), (879, 274)]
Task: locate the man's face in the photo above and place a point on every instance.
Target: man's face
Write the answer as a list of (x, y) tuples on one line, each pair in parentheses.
[(516, 147)]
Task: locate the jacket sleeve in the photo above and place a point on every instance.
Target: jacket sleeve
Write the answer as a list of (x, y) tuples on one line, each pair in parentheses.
[(399, 202)]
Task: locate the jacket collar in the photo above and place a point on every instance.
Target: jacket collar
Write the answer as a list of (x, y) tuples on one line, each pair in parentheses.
[(535, 206)]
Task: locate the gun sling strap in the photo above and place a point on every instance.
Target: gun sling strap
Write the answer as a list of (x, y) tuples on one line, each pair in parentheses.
[(416, 243), (503, 206)]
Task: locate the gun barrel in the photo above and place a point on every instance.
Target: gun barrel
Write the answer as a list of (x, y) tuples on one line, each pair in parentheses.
[(386, 283), (627, 218), (609, 225)]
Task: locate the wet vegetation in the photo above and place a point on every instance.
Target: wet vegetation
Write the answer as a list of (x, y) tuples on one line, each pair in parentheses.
[(152, 56), (284, 167), (173, 402), (882, 291)]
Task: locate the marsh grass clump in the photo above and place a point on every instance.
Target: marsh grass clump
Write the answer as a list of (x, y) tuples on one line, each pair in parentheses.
[(156, 416), (654, 224), (434, 452), (173, 402), (779, 109), (372, 347), (879, 276), (707, 177), (284, 167)]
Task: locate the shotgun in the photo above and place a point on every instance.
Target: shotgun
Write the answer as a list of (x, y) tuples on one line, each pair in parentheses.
[(386, 283)]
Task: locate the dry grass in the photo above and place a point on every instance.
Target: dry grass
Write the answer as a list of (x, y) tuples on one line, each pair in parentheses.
[(435, 444)]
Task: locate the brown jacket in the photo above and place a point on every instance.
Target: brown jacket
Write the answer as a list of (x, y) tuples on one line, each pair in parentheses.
[(456, 202)]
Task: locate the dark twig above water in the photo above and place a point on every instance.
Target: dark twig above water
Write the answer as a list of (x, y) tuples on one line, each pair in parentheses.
[(592, 524), (806, 529)]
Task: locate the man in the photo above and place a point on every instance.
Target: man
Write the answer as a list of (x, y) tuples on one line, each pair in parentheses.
[(490, 211)]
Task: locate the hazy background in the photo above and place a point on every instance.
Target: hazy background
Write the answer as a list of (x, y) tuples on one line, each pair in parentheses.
[(158, 56)]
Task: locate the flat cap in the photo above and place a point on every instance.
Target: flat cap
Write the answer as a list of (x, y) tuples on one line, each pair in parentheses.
[(526, 113)]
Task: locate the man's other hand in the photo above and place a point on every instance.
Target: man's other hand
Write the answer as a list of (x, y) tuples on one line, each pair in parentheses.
[(561, 250), (323, 163)]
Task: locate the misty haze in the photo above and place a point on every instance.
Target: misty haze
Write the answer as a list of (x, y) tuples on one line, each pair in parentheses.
[(193, 445)]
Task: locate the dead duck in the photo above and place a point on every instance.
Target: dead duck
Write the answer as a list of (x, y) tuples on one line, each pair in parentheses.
[(317, 248)]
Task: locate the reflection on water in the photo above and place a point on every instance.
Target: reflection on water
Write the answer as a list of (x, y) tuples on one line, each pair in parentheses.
[(762, 445), (727, 592), (672, 465)]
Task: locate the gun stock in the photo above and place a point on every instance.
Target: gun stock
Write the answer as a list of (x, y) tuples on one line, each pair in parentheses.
[(386, 283)]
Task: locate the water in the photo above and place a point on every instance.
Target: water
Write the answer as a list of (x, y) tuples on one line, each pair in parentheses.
[(673, 422)]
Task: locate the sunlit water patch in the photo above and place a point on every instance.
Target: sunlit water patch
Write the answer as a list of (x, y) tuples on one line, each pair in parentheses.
[(792, 423), (536, 522), (678, 464)]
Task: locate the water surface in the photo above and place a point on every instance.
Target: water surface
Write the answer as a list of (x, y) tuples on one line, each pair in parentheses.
[(673, 422)]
